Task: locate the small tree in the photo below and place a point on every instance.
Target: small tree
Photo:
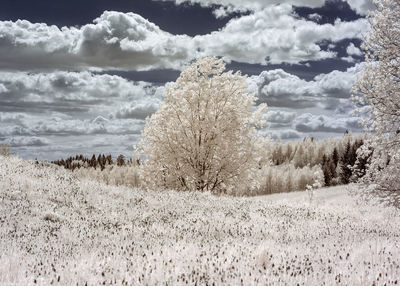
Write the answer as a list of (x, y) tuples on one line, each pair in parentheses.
[(121, 160), (328, 168), (5, 150), (335, 157), (203, 137), (378, 86), (345, 164), (93, 161)]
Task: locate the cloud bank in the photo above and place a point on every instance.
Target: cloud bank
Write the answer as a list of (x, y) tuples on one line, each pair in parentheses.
[(114, 41), (127, 41), (282, 89)]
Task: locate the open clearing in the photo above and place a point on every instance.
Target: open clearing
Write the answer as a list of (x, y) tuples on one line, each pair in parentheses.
[(57, 229)]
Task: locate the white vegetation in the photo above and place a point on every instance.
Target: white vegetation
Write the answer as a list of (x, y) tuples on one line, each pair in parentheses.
[(126, 175), (203, 137), (308, 152), (282, 168), (57, 229), (287, 178), (379, 87), (292, 166)]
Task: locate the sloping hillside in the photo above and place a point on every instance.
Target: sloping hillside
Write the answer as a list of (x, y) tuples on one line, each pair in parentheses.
[(55, 228)]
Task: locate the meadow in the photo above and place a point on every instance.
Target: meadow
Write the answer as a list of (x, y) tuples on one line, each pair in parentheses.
[(58, 229)]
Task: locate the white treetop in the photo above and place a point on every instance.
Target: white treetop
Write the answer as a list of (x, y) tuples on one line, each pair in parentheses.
[(203, 136), (379, 87)]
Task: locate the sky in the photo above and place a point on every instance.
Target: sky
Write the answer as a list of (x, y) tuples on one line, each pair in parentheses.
[(80, 77)]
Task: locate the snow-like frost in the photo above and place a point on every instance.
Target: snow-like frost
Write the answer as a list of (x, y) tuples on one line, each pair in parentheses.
[(55, 227)]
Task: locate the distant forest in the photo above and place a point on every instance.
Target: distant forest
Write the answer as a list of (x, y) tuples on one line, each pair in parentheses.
[(286, 167), (100, 161)]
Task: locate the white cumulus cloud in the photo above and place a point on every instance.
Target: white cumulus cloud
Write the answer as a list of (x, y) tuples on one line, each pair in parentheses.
[(281, 89), (361, 6), (114, 41), (353, 50), (276, 35), (308, 122), (127, 41)]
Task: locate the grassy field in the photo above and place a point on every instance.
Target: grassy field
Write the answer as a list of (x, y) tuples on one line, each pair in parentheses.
[(56, 229)]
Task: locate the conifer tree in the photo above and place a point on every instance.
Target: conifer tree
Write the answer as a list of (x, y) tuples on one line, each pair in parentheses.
[(335, 157), (345, 164), (121, 160)]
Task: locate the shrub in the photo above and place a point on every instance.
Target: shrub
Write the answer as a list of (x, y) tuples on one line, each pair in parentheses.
[(5, 150)]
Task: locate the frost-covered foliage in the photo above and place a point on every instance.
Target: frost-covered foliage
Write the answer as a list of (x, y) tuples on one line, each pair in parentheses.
[(103, 168), (203, 136), (287, 178), (56, 228), (310, 151), (336, 158), (378, 86), (123, 175), (281, 168)]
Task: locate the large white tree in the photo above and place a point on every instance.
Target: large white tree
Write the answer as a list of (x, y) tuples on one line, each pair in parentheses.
[(379, 88), (203, 137)]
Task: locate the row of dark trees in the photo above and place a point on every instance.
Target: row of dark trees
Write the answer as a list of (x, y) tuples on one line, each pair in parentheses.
[(80, 161), (345, 168)]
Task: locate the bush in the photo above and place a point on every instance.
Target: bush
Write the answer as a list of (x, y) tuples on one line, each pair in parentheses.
[(5, 150)]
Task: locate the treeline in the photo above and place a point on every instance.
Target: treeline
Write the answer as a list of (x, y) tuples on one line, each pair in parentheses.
[(284, 167), (336, 157), (101, 161), (103, 168)]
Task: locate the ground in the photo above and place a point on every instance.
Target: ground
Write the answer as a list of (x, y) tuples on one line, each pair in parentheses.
[(57, 229)]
